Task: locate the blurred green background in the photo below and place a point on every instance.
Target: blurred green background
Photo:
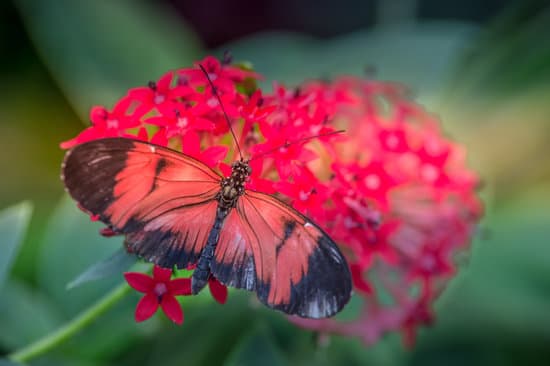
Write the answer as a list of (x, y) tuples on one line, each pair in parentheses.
[(482, 66)]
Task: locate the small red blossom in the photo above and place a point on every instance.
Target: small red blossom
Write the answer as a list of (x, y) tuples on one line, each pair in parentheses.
[(159, 290), (306, 192), (160, 95), (394, 139), (107, 124), (181, 120), (289, 157), (224, 76), (359, 281), (217, 289), (252, 111), (258, 180), (420, 313), (211, 156)]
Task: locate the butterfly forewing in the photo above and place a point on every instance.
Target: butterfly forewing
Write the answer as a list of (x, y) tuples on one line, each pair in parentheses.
[(164, 201)]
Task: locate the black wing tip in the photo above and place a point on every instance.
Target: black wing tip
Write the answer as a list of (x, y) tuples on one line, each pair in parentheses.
[(157, 246), (323, 291), (88, 173)]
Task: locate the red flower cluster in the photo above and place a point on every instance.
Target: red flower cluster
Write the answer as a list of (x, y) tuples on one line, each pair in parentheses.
[(391, 190), (402, 201)]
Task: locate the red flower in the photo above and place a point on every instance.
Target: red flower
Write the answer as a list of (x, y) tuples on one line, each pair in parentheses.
[(223, 76), (289, 157), (253, 111), (418, 313), (394, 139), (159, 290), (359, 279), (211, 156), (159, 95), (107, 124), (217, 289), (180, 121), (308, 194)]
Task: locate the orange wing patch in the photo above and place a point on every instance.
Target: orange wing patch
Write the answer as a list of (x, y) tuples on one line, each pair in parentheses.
[(156, 180)]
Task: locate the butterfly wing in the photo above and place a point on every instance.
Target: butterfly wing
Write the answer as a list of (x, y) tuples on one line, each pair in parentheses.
[(268, 247), (162, 200)]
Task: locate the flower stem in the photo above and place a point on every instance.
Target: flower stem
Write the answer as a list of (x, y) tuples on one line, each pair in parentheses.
[(57, 337)]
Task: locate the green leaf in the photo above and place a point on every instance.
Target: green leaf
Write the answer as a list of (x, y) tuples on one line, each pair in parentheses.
[(8, 363), (508, 58), (210, 331), (96, 50), (404, 54), (114, 265), (257, 348), (26, 314), (13, 224), (72, 243), (502, 296)]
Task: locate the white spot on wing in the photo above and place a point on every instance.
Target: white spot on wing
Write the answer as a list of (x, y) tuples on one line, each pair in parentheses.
[(314, 310), (308, 224), (153, 149), (97, 160), (250, 274)]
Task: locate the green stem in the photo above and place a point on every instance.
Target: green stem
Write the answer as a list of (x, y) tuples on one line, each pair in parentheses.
[(54, 339)]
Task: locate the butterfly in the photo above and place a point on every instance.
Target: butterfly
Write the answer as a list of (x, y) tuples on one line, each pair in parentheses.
[(176, 211)]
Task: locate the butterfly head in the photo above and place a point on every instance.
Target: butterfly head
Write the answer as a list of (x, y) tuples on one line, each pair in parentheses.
[(233, 186)]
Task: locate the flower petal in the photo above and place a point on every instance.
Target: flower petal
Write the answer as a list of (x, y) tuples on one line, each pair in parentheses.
[(172, 309), (213, 155), (163, 84), (180, 286), (162, 274), (359, 280), (139, 281), (218, 290), (146, 307)]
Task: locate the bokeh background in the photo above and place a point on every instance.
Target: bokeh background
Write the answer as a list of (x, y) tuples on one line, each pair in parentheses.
[(482, 66)]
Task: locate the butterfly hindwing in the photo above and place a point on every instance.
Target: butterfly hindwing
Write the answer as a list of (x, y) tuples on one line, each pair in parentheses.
[(268, 247), (162, 200)]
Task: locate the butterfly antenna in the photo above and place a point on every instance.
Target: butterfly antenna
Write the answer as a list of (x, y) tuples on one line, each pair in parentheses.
[(215, 92), (289, 143)]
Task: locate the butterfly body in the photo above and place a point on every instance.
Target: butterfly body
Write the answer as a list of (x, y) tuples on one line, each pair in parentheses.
[(231, 189), (176, 211)]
